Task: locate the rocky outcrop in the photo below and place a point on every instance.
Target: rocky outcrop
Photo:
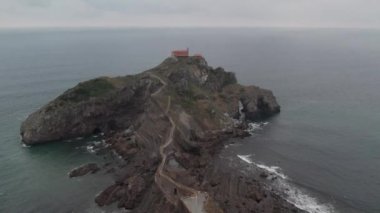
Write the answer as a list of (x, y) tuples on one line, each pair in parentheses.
[(179, 112), (128, 192), (79, 112), (84, 169), (258, 103)]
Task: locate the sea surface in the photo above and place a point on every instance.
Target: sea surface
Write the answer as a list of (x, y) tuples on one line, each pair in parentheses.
[(323, 148)]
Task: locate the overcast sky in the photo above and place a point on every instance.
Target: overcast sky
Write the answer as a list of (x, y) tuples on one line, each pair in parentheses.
[(190, 13)]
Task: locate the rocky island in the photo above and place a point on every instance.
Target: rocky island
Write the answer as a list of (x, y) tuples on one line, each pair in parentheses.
[(168, 124)]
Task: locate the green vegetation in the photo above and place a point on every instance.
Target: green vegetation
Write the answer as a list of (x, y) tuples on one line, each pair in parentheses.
[(185, 98), (190, 95), (122, 81), (88, 89), (229, 79), (187, 102)]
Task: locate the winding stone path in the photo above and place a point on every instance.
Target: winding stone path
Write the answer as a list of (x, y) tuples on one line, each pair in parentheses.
[(194, 201)]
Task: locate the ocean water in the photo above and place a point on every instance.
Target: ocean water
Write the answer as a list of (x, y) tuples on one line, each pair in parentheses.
[(324, 146)]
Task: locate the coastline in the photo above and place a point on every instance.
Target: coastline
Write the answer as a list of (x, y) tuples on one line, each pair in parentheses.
[(269, 179)]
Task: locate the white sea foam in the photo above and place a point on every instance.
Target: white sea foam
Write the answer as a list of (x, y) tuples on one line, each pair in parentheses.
[(254, 126), (98, 143), (95, 146), (91, 148), (272, 170), (246, 158), (289, 192), (300, 198), (22, 117), (25, 146)]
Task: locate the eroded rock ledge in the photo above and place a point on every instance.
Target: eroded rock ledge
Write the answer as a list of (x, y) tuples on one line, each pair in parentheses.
[(167, 123)]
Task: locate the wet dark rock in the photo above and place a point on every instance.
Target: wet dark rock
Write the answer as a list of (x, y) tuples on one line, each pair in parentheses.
[(107, 196), (258, 103), (264, 174), (134, 188), (240, 133), (127, 193), (236, 191), (111, 170), (84, 169), (107, 164)]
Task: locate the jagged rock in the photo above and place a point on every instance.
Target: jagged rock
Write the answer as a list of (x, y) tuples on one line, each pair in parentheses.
[(129, 132), (107, 196), (128, 193), (133, 192), (258, 103), (240, 133), (84, 169), (264, 174)]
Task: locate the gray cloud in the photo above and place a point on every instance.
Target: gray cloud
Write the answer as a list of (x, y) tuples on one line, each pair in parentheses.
[(146, 13)]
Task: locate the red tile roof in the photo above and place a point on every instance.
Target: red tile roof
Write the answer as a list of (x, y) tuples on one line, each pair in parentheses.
[(180, 53)]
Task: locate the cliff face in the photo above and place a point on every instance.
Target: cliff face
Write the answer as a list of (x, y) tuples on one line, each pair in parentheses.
[(82, 111), (112, 104), (167, 123)]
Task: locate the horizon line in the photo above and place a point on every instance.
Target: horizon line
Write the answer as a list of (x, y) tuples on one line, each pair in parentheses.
[(181, 27)]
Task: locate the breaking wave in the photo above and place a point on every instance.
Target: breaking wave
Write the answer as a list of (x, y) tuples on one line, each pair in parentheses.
[(272, 170), (301, 199), (91, 148), (289, 192), (253, 127), (95, 146), (246, 158)]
